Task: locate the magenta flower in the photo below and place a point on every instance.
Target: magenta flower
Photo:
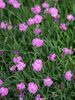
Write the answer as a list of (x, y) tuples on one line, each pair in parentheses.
[(67, 51), (63, 26), (20, 66), (16, 52), (53, 11), (3, 25), (23, 27), (32, 87), (31, 21), (37, 19), (37, 65), (52, 57), (36, 9), (2, 4), (70, 17), (57, 18), (37, 31), (13, 68), (10, 2), (14, 3), (20, 86), (38, 97), (37, 42), (48, 81), (68, 75), (17, 59), (45, 5), (1, 82), (3, 91), (21, 96)]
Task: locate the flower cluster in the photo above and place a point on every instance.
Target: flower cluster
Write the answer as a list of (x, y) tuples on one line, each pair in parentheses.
[(37, 65), (19, 64)]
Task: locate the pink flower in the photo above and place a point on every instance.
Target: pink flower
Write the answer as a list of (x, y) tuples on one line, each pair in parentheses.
[(70, 17), (36, 9), (23, 27), (10, 2), (37, 19), (37, 42), (20, 66), (37, 65), (21, 96), (13, 68), (63, 26), (52, 57), (37, 31), (67, 51), (53, 11), (17, 59), (48, 81), (32, 87), (2, 4), (3, 25), (1, 82), (68, 75), (57, 18), (31, 21), (38, 97), (45, 5), (3, 91), (14, 3), (21, 86)]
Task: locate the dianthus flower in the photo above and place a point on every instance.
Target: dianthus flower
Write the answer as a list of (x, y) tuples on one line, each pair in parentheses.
[(32, 87), (63, 26), (45, 5), (38, 97), (48, 81), (14, 3), (53, 11), (37, 19), (52, 57), (3, 91), (67, 51), (37, 42), (37, 65), (2, 4), (68, 75), (36, 9), (37, 31), (70, 17), (31, 21), (3, 25), (20, 86), (23, 27)]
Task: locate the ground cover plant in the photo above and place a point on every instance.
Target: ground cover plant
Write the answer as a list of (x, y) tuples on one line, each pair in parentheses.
[(37, 50)]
